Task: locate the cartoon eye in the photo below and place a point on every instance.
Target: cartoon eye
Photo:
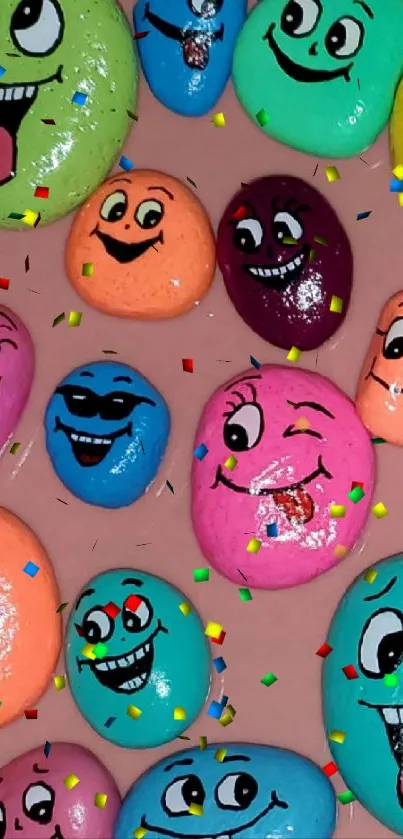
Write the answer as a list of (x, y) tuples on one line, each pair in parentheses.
[(381, 645), (38, 802), (97, 626), (236, 792), (149, 213), (37, 26), (244, 428), (393, 344), (114, 206), (180, 794), (3, 822), (344, 38), (136, 614), (205, 8), (287, 226), (248, 235), (300, 17)]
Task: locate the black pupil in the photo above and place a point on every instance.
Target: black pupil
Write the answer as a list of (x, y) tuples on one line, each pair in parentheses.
[(235, 437), (192, 791), (151, 218), (336, 38), (117, 211), (27, 14), (394, 349), (3, 825), (41, 812), (281, 231), (245, 790), (390, 652), (292, 17), (244, 240), (92, 631)]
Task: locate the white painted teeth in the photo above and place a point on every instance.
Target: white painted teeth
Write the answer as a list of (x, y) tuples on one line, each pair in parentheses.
[(274, 272), (393, 716), (134, 683), (19, 92), (126, 661), (95, 440)]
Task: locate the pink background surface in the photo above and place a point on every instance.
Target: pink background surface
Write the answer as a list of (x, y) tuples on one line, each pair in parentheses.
[(277, 632)]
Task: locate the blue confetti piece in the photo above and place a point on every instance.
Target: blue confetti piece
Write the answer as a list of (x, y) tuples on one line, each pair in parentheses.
[(47, 748), (255, 363), (79, 98), (215, 710), (110, 722), (360, 216), (219, 664), (31, 569), (271, 530), (201, 451), (396, 186), (2, 71), (224, 701), (126, 164)]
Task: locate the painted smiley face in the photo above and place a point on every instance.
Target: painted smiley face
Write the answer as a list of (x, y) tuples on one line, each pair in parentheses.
[(253, 791), (324, 61), (136, 621), (298, 445), (17, 365), (106, 430), (187, 54), (150, 243), (35, 802), (284, 254), (380, 387), (367, 632), (46, 139)]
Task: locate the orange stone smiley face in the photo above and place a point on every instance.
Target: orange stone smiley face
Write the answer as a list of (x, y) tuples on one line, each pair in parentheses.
[(379, 399), (141, 247)]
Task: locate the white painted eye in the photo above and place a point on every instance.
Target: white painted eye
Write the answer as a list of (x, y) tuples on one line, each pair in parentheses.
[(237, 791), (300, 17), (393, 345), (114, 206), (344, 38), (38, 802), (37, 26), (97, 626), (149, 213), (243, 429), (287, 226), (381, 645), (248, 235), (181, 793)]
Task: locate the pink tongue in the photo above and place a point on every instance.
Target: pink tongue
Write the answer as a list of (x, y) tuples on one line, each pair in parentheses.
[(6, 154), (297, 504)]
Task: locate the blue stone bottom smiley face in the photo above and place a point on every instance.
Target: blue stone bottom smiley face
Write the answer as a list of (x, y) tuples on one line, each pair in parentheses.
[(238, 790), (138, 663), (107, 429), (367, 632)]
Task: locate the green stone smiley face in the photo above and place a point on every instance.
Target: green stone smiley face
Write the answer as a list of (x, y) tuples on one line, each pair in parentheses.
[(324, 73), (50, 51)]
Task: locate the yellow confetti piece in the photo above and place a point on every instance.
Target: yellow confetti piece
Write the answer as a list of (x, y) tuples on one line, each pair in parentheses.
[(231, 710), (219, 120), (379, 510), (14, 448), (100, 800), (226, 719), (337, 736), (398, 172), (139, 833), (71, 781), (332, 173), (185, 608), (133, 712), (87, 269), (340, 552), (195, 810), (336, 305), (320, 240), (220, 755), (370, 575), (337, 511), (179, 714), (253, 547), (294, 355), (312, 255), (302, 423), (213, 630), (202, 743), (87, 651), (60, 682), (230, 463), (288, 240), (30, 218), (400, 199), (75, 318)]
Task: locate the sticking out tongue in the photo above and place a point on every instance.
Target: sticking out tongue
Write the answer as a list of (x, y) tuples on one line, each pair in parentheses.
[(196, 51), (296, 504), (90, 459), (6, 154)]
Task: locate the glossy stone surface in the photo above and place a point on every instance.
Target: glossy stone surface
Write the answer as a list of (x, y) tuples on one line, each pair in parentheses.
[(17, 366), (298, 446), (153, 676)]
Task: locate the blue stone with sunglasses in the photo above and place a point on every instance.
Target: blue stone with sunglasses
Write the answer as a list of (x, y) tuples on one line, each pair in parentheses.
[(106, 429), (186, 49)]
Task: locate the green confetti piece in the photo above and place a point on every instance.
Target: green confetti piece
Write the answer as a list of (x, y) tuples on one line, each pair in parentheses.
[(268, 680), (245, 595), (59, 319), (75, 318), (201, 575), (100, 650), (312, 255), (18, 216), (391, 680), (356, 495), (320, 240), (61, 608), (87, 269), (346, 797), (377, 441), (262, 117), (14, 448)]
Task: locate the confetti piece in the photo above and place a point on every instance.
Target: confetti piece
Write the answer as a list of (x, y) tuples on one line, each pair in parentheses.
[(170, 487), (18, 216), (365, 214), (80, 632), (324, 651), (294, 355), (100, 650), (110, 722), (59, 682), (253, 547), (302, 423), (398, 171), (126, 164), (391, 680), (231, 463), (31, 569), (272, 530), (337, 511), (179, 714), (187, 365), (226, 719), (79, 98), (2, 71), (71, 781), (376, 441), (110, 352), (185, 608), (111, 609), (48, 121), (220, 755), (340, 552), (400, 198), (133, 712), (220, 639), (219, 664), (355, 484), (4, 284), (218, 120), (133, 602), (370, 575), (41, 192), (59, 319), (245, 595), (195, 810), (201, 575), (346, 797), (30, 218), (100, 800), (88, 651), (332, 173), (356, 494), (139, 833), (320, 241), (240, 213), (14, 448), (47, 748), (396, 185), (191, 182), (350, 672), (138, 35), (201, 451), (75, 318), (213, 630), (330, 769), (268, 680), (31, 715), (262, 117), (87, 269), (379, 510), (255, 363), (26, 264), (61, 608), (312, 255), (337, 736), (202, 743), (336, 305)]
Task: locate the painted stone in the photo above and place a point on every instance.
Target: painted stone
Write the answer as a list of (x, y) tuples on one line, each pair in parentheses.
[(17, 366)]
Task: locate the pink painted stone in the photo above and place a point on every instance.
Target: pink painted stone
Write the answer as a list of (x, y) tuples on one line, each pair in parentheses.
[(17, 365)]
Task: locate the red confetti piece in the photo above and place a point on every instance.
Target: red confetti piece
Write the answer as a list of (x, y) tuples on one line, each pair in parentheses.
[(5, 284), (133, 602), (324, 651), (41, 192), (187, 365), (138, 35), (350, 672), (220, 639), (330, 769), (79, 630), (111, 610), (31, 715), (240, 213), (357, 484), (48, 121), (26, 264)]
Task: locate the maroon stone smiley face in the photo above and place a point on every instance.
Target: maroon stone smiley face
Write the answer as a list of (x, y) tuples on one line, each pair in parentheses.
[(284, 255)]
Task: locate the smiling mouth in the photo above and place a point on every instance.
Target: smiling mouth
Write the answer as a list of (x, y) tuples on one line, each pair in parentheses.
[(392, 717), (293, 500), (122, 251), (125, 674), (195, 43), (15, 102), (279, 276), (297, 71), (393, 389), (90, 450)]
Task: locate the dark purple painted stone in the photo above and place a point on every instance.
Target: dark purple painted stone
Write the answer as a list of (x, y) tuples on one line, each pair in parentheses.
[(285, 307)]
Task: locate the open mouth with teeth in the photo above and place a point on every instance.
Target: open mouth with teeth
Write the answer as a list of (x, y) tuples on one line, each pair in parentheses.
[(124, 252), (392, 717), (281, 275), (15, 102), (90, 450), (196, 44), (125, 674)]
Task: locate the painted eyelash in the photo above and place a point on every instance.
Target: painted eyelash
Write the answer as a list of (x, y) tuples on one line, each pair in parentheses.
[(242, 399)]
